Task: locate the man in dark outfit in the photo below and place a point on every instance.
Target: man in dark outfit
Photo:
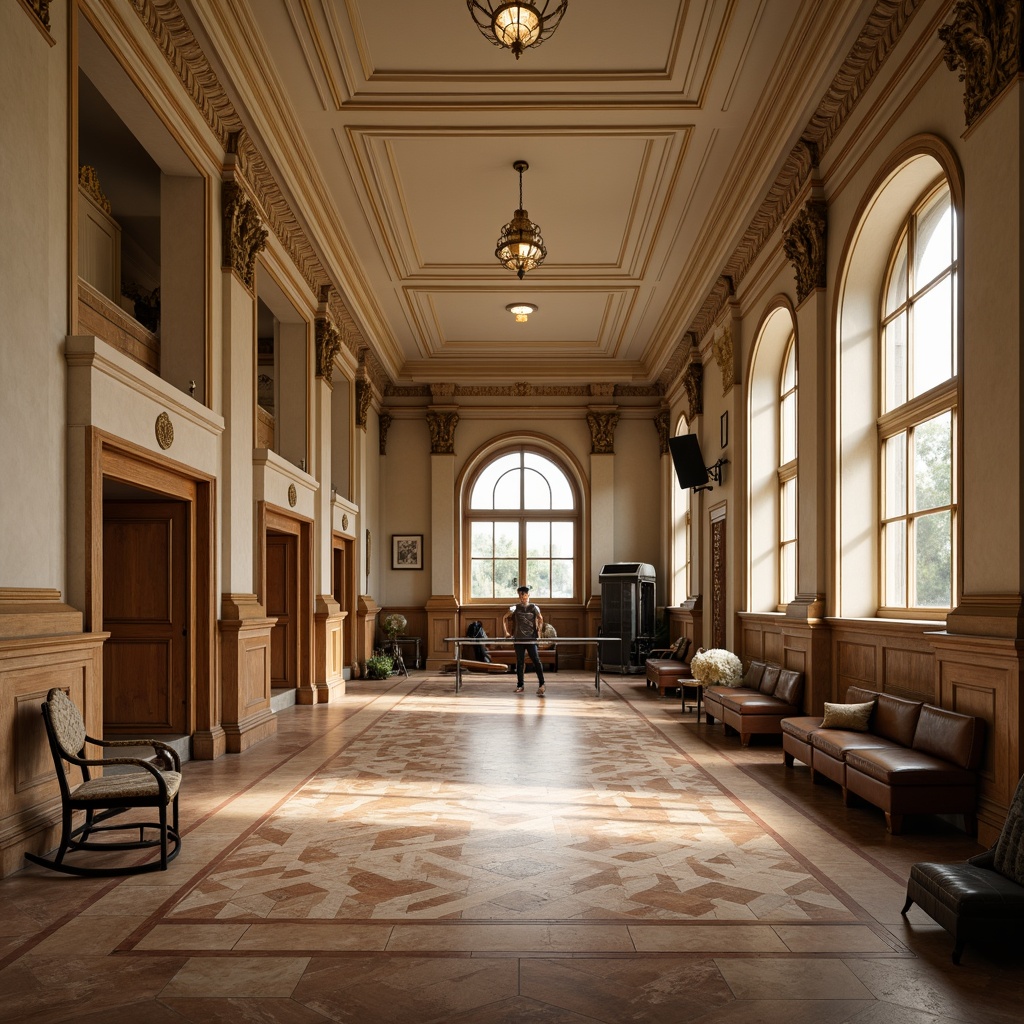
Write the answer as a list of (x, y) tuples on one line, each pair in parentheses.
[(525, 622)]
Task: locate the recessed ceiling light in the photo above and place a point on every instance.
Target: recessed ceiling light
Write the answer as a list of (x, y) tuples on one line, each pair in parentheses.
[(521, 310)]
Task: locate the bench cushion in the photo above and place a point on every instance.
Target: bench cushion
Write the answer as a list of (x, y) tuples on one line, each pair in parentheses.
[(838, 742), (950, 736), (898, 767)]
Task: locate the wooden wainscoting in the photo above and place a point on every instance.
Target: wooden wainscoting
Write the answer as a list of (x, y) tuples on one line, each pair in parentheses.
[(800, 644)]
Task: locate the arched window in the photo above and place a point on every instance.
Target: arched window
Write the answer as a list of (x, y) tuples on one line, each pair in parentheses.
[(917, 421), (522, 525), (680, 582), (787, 476), (772, 465)]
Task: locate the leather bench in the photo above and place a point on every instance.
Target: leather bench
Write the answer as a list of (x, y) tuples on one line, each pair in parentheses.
[(908, 757), (667, 666), (767, 694)]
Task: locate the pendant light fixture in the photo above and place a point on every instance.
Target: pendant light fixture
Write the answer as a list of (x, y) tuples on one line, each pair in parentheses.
[(521, 247), (521, 310), (517, 25)]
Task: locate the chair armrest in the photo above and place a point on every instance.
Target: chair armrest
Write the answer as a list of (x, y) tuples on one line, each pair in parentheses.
[(984, 860), (158, 747)]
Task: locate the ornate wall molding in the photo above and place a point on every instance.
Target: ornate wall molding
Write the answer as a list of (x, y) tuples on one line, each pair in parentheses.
[(804, 244), (243, 236), (384, 423), (882, 30), (983, 43), (364, 396), (170, 31), (442, 391), (442, 432), (722, 346), (693, 384), (719, 582), (602, 431), (521, 389), (89, 182), (328, 344), (41, 9), (661, 424)]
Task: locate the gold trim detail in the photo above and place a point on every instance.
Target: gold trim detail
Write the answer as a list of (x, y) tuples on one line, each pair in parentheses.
[(89, 182), (344, 521), (328, 344), (983, 43), (293, 495), (364, 396), (602, 432), (442, 432), (384, 422), (661, 425), (693, 384), (244, 234), (164, 431), (804, 244)]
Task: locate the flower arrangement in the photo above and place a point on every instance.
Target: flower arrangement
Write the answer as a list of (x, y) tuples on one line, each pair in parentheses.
[(394, 624), (716, 666)]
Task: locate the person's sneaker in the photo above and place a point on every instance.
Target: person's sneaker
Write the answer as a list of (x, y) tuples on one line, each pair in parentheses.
[(540, 691), (519, 689)]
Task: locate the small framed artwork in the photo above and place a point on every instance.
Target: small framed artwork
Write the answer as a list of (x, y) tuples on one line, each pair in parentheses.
[(724, 423), (407, 551)]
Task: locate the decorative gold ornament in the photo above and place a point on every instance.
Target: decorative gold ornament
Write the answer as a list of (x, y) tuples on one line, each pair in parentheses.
[(293, 495), (89, 182), (442, 432), (804, 243), (244, 234), (164, 431), (602, 432), (519, 24), (344, 521)]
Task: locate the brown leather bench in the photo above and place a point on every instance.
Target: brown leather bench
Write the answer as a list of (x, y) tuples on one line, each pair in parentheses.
[(668, 665), (910, 758), (767, 695)]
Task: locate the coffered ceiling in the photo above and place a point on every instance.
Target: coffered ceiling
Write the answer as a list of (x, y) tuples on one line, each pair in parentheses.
[(652, 130)]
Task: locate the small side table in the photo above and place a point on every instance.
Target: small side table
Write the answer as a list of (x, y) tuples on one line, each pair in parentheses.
[(691, 692), (406, 641)]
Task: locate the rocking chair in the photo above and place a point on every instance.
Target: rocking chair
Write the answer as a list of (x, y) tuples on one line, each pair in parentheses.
[(109, 795)]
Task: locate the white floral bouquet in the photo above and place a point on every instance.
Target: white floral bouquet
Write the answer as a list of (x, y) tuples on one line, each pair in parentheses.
[(394, 624), (716, 666)]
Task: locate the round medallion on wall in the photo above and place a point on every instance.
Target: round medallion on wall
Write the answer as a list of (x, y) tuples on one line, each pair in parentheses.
[(164, 431), (344, 521), (293, 495)]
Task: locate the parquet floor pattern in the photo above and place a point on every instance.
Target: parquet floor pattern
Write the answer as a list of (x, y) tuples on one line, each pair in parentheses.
[(410, 855)]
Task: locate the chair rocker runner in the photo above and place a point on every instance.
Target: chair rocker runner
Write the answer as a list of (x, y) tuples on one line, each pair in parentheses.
[(105, 797)]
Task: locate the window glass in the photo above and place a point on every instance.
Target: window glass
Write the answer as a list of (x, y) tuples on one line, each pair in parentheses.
[(933, 251), (933, 336)]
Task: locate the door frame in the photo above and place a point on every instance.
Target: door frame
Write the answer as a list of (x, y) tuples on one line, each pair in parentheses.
[(109, 457), (277, 520)]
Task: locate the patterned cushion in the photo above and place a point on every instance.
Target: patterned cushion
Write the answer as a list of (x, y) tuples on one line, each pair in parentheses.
[(67, 722), (854, 717), (133, 784)]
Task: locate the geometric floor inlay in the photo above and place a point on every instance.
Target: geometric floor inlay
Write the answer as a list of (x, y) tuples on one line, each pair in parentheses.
[(513, 809)]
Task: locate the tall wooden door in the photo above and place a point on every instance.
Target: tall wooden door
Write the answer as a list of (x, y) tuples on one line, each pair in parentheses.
[(282, 602), (146, 610), (719, 580)]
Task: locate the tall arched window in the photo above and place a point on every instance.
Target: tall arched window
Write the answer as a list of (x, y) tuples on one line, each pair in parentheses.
[(680, 539), (522, 525), (917, 422), (787, 476)]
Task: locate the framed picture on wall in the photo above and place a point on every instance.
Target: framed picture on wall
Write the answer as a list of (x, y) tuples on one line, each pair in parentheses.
[(724, 426), (407, 551)]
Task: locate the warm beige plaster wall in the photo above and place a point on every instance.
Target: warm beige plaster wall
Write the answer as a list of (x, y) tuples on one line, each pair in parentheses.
[(33, 297)]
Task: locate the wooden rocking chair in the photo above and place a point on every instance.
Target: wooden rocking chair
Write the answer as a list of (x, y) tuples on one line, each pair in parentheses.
[(108, 795)]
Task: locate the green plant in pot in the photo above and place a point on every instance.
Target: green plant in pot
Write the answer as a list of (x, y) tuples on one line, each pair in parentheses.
[(379, 665)]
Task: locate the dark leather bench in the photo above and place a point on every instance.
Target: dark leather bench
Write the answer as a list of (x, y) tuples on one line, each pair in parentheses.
[(666, 666), (767, 695), (909, 757)]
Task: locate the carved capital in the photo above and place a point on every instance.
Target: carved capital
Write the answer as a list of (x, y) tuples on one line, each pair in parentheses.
[(602, 390), (364, 396), (804, 243), (602, 432), (384, 422), (244, 234), (693, 383), (328, 344), (89, 182), (661, 425), (722, 347), (442, 432), (983, 43)]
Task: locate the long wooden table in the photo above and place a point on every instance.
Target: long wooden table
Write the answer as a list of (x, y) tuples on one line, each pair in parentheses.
[(461, 641)]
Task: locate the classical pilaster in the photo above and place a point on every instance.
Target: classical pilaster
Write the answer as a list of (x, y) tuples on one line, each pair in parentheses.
[(244, 626), (442, 607)]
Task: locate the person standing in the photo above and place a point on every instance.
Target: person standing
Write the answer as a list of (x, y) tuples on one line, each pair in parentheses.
[(525, 622)]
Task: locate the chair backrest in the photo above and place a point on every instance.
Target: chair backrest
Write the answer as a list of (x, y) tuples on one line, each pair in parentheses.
[(66, 723), (1008, 857), (681, 646)]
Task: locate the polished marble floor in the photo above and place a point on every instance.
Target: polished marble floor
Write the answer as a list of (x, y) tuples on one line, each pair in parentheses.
[(409, 854)]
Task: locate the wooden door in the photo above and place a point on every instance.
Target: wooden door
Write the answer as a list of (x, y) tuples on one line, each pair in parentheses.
[(719, 581), (282, 602), (146, 610)]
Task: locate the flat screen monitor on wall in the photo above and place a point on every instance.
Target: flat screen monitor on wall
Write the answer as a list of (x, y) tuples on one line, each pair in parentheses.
[(689, 462)]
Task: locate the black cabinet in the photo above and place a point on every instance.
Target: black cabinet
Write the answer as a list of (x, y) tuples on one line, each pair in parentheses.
[(627, 612)]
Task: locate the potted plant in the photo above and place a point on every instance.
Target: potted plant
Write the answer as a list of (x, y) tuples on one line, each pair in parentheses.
[(379, 665), (716, 667)]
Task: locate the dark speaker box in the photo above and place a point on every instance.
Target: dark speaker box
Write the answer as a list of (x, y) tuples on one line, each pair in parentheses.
[(689, 462)]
